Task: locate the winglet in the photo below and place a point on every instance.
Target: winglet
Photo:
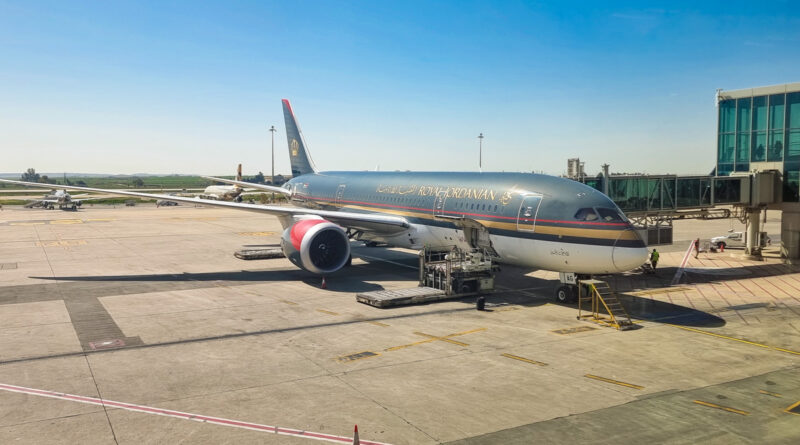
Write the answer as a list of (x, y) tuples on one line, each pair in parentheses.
[(298, 153)]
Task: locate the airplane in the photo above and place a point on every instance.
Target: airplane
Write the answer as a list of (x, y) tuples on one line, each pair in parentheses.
[(235, 192), (531, 220), (224, 192), (60, 198)]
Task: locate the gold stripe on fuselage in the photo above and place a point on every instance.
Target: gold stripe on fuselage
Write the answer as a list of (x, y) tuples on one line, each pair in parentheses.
[(622, 234)]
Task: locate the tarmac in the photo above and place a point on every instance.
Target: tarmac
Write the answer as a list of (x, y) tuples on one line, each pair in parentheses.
[(138, 325)]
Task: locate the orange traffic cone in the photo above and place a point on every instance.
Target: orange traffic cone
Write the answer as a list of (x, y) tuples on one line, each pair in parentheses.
[(722, 247), (355, 437), (324, 284)]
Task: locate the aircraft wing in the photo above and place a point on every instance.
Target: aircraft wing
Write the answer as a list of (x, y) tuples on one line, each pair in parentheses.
[(370, 222), (252, 186)]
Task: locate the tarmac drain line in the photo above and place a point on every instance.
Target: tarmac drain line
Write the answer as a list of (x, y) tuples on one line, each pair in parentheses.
[(186, 416)]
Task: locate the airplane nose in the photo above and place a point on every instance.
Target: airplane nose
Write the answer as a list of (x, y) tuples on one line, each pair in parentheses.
[(627, 253)]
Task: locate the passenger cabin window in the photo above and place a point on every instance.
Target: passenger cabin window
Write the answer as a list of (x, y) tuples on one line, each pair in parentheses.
[(609, 215), (586, 214)]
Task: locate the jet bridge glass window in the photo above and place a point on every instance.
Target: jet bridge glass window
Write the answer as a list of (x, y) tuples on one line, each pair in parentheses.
[(586, 214), (609, 215)]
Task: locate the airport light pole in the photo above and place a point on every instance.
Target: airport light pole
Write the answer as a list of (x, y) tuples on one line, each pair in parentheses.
[(480, 152), (272, 178)]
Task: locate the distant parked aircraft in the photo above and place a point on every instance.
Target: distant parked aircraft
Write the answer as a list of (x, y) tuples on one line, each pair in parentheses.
[(236, 191), (60, 198)]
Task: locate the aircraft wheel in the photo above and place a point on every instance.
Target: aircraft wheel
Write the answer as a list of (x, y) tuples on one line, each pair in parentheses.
[(74, 207), (565, 294), (468, 287)]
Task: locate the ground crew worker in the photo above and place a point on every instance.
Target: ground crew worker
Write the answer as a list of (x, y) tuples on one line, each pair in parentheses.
[(654, 258), (696, 247)]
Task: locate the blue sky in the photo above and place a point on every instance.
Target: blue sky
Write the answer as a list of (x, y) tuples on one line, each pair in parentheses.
[(192, 87)]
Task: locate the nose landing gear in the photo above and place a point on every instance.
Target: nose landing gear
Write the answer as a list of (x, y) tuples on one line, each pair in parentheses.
[(567, 292)]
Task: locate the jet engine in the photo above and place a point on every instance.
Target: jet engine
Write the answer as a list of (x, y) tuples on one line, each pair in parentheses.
[(316, 245)]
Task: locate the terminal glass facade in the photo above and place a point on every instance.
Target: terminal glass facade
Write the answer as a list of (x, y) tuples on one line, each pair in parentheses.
[(762, 128)]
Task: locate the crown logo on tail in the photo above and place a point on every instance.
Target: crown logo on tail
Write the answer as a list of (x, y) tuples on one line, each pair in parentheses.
[(295, 146)]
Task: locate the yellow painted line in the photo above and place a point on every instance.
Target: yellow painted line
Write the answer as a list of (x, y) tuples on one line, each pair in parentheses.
[(793, 409), (327, 312), (466, 332), (66, 221), (256, 233), (441, 338), (662, 291), (523, 359), (788, 351), (395, 348), (100, 219), (27, 224), (378, 323), (616, 382), (505, 308), (472, 331), (288, 302), (724, 408), (773, 394)]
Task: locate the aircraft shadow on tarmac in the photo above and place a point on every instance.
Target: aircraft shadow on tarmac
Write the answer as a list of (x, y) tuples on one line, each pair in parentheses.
[(341, 282), (642, 308), (353, 279)]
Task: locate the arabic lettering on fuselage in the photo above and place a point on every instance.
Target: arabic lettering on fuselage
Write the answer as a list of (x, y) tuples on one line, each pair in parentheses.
[(449, 192)]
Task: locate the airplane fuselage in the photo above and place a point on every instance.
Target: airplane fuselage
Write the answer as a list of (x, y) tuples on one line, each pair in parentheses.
[(221, 192), (529, 220)]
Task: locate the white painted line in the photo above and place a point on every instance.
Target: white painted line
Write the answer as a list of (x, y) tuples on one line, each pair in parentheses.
[(679, 272), (185, 416)]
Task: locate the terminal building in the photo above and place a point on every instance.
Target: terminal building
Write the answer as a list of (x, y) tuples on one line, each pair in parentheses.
[(759, 131)]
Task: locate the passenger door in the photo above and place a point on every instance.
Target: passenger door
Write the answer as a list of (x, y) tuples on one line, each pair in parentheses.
[(438, 203), (340, 193), (528, 209)]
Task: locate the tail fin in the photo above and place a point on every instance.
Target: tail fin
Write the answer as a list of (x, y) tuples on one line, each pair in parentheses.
[(298, 154), (239, 173)]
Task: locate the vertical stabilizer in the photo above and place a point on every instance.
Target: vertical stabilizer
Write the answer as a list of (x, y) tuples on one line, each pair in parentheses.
[(298, 154)]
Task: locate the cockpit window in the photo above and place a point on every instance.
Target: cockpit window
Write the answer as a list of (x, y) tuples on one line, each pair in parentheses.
[(586, 214), (609, 215)]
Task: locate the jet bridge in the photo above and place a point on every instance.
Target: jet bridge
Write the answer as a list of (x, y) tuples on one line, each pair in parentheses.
[(652, 202)]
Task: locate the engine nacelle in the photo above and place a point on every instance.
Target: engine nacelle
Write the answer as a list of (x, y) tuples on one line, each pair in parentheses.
[(316, 245)]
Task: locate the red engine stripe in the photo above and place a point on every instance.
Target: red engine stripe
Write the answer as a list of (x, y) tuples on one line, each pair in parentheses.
[(300, 228)]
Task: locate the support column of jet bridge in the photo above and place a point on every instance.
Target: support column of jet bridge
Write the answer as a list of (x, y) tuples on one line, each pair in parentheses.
[(601, 300), (442, 275), (753, 241)]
